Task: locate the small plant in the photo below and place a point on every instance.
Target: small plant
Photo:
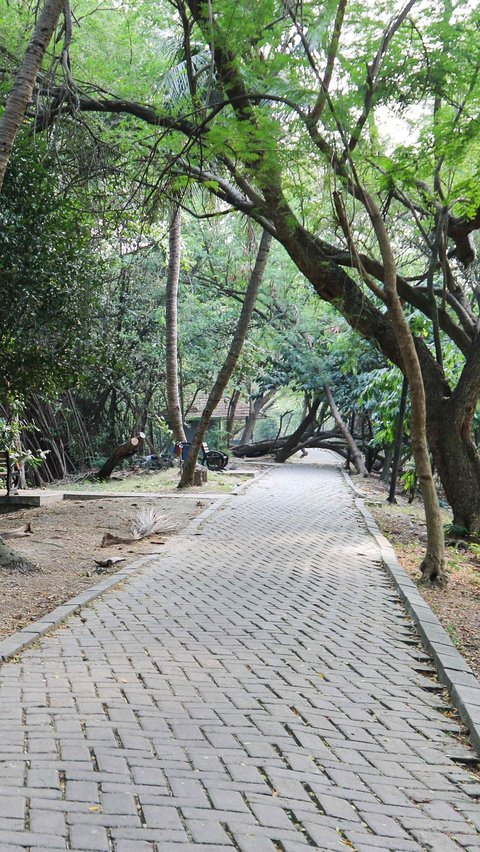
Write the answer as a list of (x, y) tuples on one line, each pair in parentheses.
[(11, 438), (455, 531), (453, 635), (409, 480)]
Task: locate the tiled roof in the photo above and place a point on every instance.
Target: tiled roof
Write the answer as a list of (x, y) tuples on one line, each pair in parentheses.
[(221, 410)]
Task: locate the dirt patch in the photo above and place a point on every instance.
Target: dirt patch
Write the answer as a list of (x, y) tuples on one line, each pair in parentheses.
[(457, 606), (65, 541)]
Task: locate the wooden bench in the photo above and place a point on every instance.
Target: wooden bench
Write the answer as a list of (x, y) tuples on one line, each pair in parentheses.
[(213, 459), (8, 472)]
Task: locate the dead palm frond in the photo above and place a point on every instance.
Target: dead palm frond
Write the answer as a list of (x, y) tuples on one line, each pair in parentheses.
[(149, 521)]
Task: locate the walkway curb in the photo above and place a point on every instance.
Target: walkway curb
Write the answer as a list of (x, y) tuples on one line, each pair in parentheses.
[(452, 668), (12, 645)]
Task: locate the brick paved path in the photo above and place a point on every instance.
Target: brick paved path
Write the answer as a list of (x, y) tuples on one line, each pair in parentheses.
[(258, 688)]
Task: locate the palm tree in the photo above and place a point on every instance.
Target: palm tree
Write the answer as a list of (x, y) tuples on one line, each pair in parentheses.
[(25, 80)]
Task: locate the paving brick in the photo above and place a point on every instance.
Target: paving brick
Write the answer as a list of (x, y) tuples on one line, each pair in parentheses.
[(47, 822), (118, 803), (208, 832), (257, 687), (228, 800), (91, 838), (165, 817), (12, 806)]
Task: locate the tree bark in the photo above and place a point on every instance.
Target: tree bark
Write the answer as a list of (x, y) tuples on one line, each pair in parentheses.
[(293, 440), (232, 408), (398, 442), (25, 80), (456, 460), (256, 406), (433, 564), (230, 361), (385, 474), (13, 560), (129, 448), (262, 448), (173, 273), (356, 454)]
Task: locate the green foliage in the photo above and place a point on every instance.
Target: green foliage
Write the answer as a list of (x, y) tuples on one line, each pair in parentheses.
[(455, 531), (101, 201), (48, 278), (11, 430), (409, 477)]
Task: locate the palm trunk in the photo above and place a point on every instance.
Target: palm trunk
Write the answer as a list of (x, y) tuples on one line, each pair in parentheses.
[(231, 360), (173, 273), (25, 80)]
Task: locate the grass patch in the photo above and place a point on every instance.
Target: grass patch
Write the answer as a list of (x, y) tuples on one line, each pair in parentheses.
[(158, 481)]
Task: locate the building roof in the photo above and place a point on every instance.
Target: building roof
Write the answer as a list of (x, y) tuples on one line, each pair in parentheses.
[(221, 411)]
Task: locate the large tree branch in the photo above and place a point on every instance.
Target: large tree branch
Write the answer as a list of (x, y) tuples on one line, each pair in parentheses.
[(415, 296)]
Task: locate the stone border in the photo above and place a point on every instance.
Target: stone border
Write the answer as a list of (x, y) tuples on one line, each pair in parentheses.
[(12, 645), (452, 668)]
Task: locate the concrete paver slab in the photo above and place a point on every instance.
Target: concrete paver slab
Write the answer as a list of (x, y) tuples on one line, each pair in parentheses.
[(258, 687)]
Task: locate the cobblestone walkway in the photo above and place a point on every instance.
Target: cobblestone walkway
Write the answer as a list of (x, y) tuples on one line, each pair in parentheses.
[(259, 688)]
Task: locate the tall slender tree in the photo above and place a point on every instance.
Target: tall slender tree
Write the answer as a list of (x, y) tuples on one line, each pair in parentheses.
[(231, 360), (173, 273), (25, 80)]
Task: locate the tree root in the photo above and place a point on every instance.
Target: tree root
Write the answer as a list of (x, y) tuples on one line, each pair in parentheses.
[(433, 571)]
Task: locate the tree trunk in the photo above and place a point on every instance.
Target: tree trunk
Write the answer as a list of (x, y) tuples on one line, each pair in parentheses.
[(25, 80), (129, 448), (262, 448), (230, 361), (356, 454), (295, 438), (232, 408), (173, 272), (398, 442), (433, 564), (385, 474), (256, 406), (457, 462)]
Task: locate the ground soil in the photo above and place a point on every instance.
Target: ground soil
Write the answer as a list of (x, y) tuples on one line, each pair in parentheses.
[(457, 606), (66, 539)]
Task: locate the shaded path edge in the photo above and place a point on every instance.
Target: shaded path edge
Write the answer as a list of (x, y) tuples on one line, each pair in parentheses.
[(17, 642), (452, 669)]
